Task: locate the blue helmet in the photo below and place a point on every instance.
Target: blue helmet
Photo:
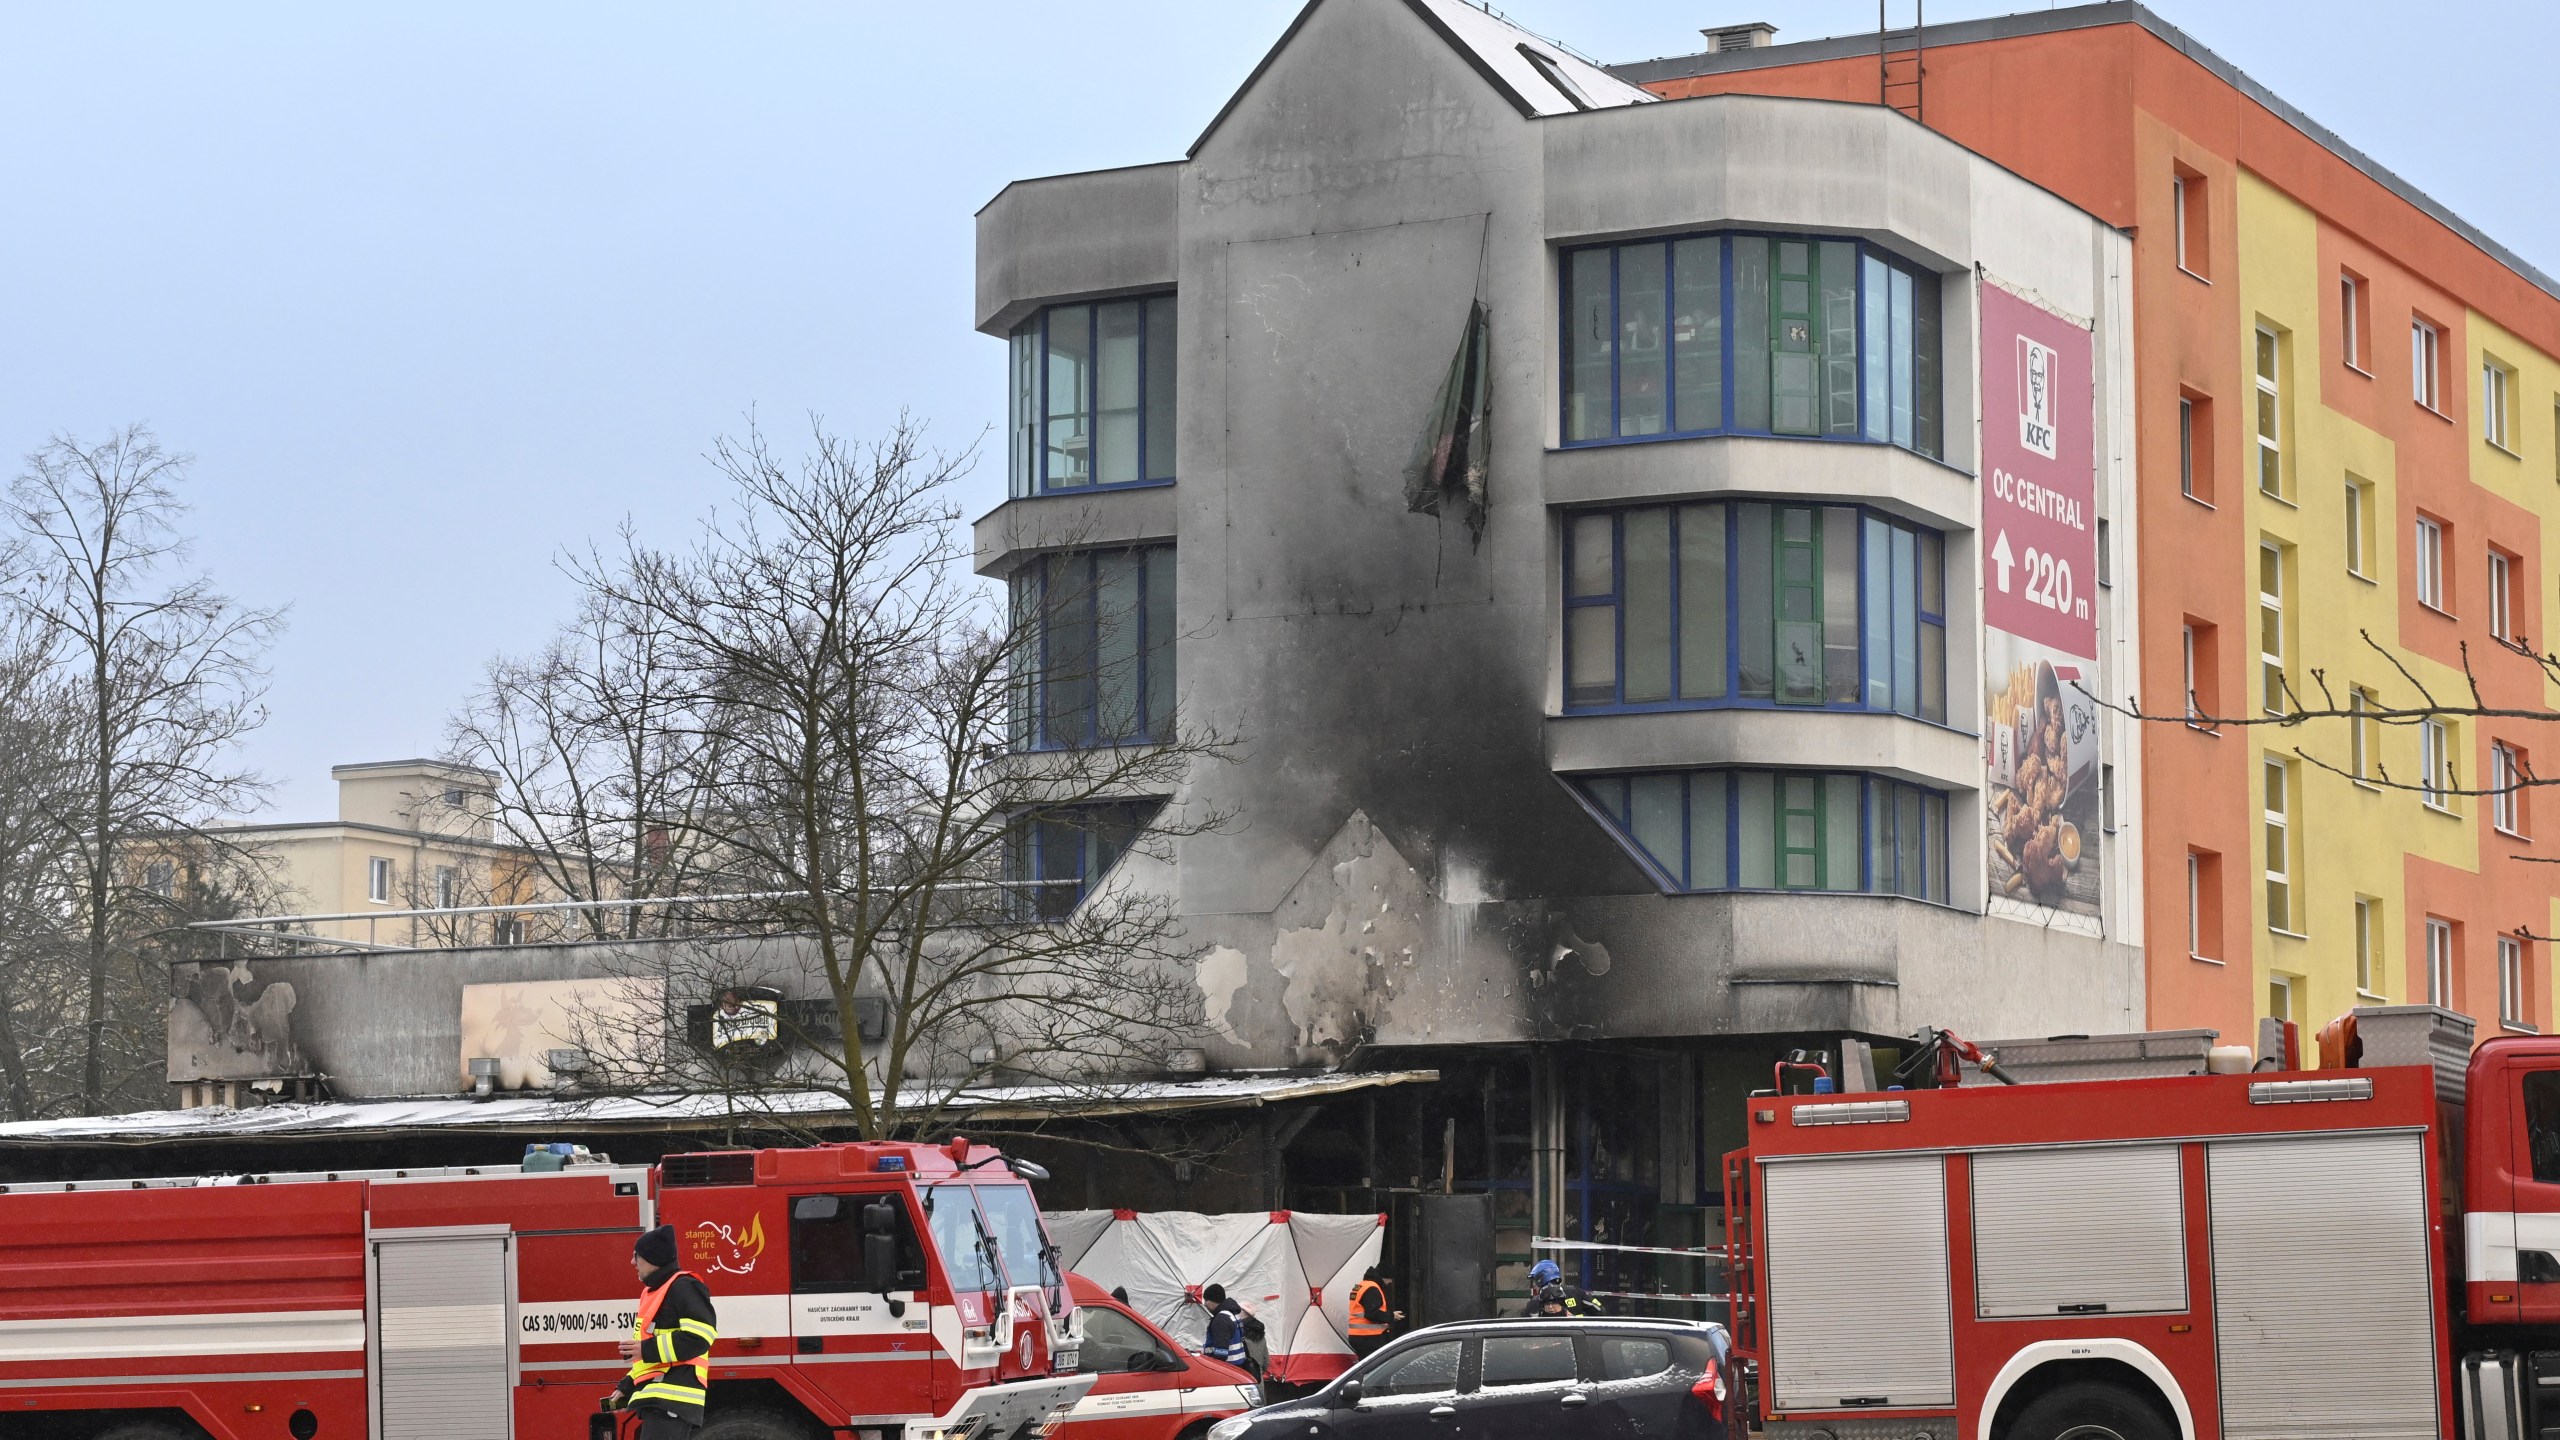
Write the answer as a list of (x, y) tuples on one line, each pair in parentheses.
[(1545, 1272)]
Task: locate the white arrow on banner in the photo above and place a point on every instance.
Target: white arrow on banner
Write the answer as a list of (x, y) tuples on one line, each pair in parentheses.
[(2000, 553)]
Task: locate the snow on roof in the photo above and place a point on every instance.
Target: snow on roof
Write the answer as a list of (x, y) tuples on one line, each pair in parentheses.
[(665, 1112), (1539, 73)]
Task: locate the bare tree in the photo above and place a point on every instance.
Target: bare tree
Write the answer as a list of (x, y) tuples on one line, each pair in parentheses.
[(165, 674), (840, 707)]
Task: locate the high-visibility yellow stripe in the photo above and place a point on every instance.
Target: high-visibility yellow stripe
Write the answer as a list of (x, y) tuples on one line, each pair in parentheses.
[(669, 1390), (702, 1328)]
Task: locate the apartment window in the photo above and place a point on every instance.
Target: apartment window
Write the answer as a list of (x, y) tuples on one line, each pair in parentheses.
[(2351, 317), (2270, 413), (2425, 378), (2507, 779), (1684, 606), (1094, 632), (377, 880), (1091, 399), (453, 797), (1750, 334), (508, 930), (2187, 213), (2497, 387), (2440, 974), (2363, 734), (1054, 857), (2359, 519), (2430, 566), (2203, 696), (2512, 999), (2280, 997), (2368, 945), (1781, 830), (2204, 904), (2435, 764), (2279, 842), (2107, 799), (2195, 447), (2501, 596), (448, 887), (160, 878), (2272, 691)]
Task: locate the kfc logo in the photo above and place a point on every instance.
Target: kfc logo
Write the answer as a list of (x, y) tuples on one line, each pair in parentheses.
[(2035, 396)]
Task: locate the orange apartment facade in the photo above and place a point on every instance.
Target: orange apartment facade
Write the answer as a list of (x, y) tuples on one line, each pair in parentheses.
[(2347, 404)]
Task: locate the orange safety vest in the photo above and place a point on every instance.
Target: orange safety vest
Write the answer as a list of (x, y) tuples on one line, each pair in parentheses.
[(1363, 1327), (649, 1377)]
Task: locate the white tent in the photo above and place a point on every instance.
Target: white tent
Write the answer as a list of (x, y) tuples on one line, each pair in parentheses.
[(1294, 1272)]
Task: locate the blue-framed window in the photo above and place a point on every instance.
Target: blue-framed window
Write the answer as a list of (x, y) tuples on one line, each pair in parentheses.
[(1751, 335), (1091, 397), (1093, 657), (1754, 603), (1780, 830), (1055, 856)]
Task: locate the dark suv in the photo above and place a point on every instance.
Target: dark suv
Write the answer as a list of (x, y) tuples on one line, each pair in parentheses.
[(1518, 1380)]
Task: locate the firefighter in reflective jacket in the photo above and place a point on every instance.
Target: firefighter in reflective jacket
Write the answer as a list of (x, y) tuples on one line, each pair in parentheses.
[(1226, 1335), (1369, 1313), (669, 1343)]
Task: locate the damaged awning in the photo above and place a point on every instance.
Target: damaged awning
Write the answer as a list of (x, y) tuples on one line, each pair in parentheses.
[(549, 1115)]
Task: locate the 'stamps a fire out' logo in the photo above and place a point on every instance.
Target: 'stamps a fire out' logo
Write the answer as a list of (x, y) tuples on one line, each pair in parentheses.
[(2035, 396), (722, 1250)]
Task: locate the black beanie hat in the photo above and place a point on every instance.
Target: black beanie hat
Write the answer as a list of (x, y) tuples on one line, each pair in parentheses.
[(658, 1247)]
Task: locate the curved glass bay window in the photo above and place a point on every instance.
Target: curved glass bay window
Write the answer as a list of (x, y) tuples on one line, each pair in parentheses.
[(1090, 399), (1754, 603), (1780, 830), (1751, 335), (1094, 663), (1054, 857)]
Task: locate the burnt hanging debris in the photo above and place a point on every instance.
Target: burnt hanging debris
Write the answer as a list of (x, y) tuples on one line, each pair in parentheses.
[(1453, 455)]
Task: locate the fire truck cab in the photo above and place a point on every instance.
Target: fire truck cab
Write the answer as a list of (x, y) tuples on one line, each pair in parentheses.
[(887, 1291), (2274, 1255)]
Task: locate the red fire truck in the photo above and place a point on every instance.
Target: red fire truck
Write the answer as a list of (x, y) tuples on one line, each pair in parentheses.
[(2353, 1251), (894, 1291)]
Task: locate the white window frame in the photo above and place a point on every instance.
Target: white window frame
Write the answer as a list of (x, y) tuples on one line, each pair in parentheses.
[(2286, 986), (2501, 598), (377, 879), (2368, 936), (2360, 734), (2426, 346), (2278, 816), (2440, 962), (2505, 798), (2430, 566), (2435, 746), (2187, 446), (2269, 364), (2356, 492), (2195, 712), (2271, 689), (2178, 218), (2350, 332), (2497, 409), (2511, 962), (2195, 905), (448, 886)]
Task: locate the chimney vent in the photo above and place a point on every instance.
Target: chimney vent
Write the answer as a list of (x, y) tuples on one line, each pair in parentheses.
[(1753, 36)]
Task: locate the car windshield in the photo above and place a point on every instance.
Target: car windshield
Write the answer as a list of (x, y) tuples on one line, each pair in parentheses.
[(1015, 1222), (955, 1234)]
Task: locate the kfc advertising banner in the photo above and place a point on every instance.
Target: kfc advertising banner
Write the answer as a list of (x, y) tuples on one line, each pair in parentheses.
[(2039, 608)]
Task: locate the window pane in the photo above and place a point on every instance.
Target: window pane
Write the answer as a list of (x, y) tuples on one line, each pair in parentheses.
[(1586, 346), (1707, 824), (1799, 831), (1927, 400), (1022, 410), (1527, 1360), (1750, 332), (1067, 663), (1115, 460), (1162, 366), (1025, 656), (1839, 338), (1609, 792), (1425, 1370), (1648, 604), (1840, 832), (1879, 614), (1879, 347), (1642, 295), (1070, 447), (1935, 841), (1906, 621), (1906, 840), (1799, 608), (1594, 556), (1653, 817), (1061, 867), (1116, 640), (1933, 672), (1753, 593), (1902, 377), (1756, 828), (1933, 573), (1880, 836), (1591, 655), (1159, 641), (1794, 361), (1839, 605), (1702, 593), (1697, 333)]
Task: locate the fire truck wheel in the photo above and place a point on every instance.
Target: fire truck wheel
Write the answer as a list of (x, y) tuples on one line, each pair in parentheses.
[(752, 1425), (2090, 1410)]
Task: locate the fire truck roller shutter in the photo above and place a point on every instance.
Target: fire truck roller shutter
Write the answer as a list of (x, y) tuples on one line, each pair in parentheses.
[(2322, 1288), (2079, 1230), (1857, 1282), (442, 1361)]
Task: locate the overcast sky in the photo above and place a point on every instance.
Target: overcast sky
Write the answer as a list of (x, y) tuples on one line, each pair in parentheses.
[(435, 290)]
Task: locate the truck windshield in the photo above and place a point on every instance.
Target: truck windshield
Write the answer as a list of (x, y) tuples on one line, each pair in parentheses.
[(955, 1233), (1015, 1222)]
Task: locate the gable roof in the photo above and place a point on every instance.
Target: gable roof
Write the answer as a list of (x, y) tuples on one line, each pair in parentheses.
[(1535, 75)]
